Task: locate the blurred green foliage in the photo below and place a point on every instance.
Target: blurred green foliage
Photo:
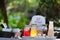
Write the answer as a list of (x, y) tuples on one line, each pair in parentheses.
[(0, 28), (16, 10), (50, 9), (57, 22), (17, 20), (1, 17)]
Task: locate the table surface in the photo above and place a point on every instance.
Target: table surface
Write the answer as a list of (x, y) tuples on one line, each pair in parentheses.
[(14, 39)]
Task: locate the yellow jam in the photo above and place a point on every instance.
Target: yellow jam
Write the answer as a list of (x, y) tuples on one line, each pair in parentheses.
[(33, 33)]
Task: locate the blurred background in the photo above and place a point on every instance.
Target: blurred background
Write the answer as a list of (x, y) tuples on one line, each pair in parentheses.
[(17, 13)]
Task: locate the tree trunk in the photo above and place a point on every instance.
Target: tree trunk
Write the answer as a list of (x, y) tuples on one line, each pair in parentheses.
[(3, 10)]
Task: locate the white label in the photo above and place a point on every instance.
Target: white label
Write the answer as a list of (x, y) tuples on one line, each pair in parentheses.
[(39, 20)]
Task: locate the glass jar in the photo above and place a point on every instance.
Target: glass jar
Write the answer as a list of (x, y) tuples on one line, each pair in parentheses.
[(45, 29), (33, 30), (27, 30)]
